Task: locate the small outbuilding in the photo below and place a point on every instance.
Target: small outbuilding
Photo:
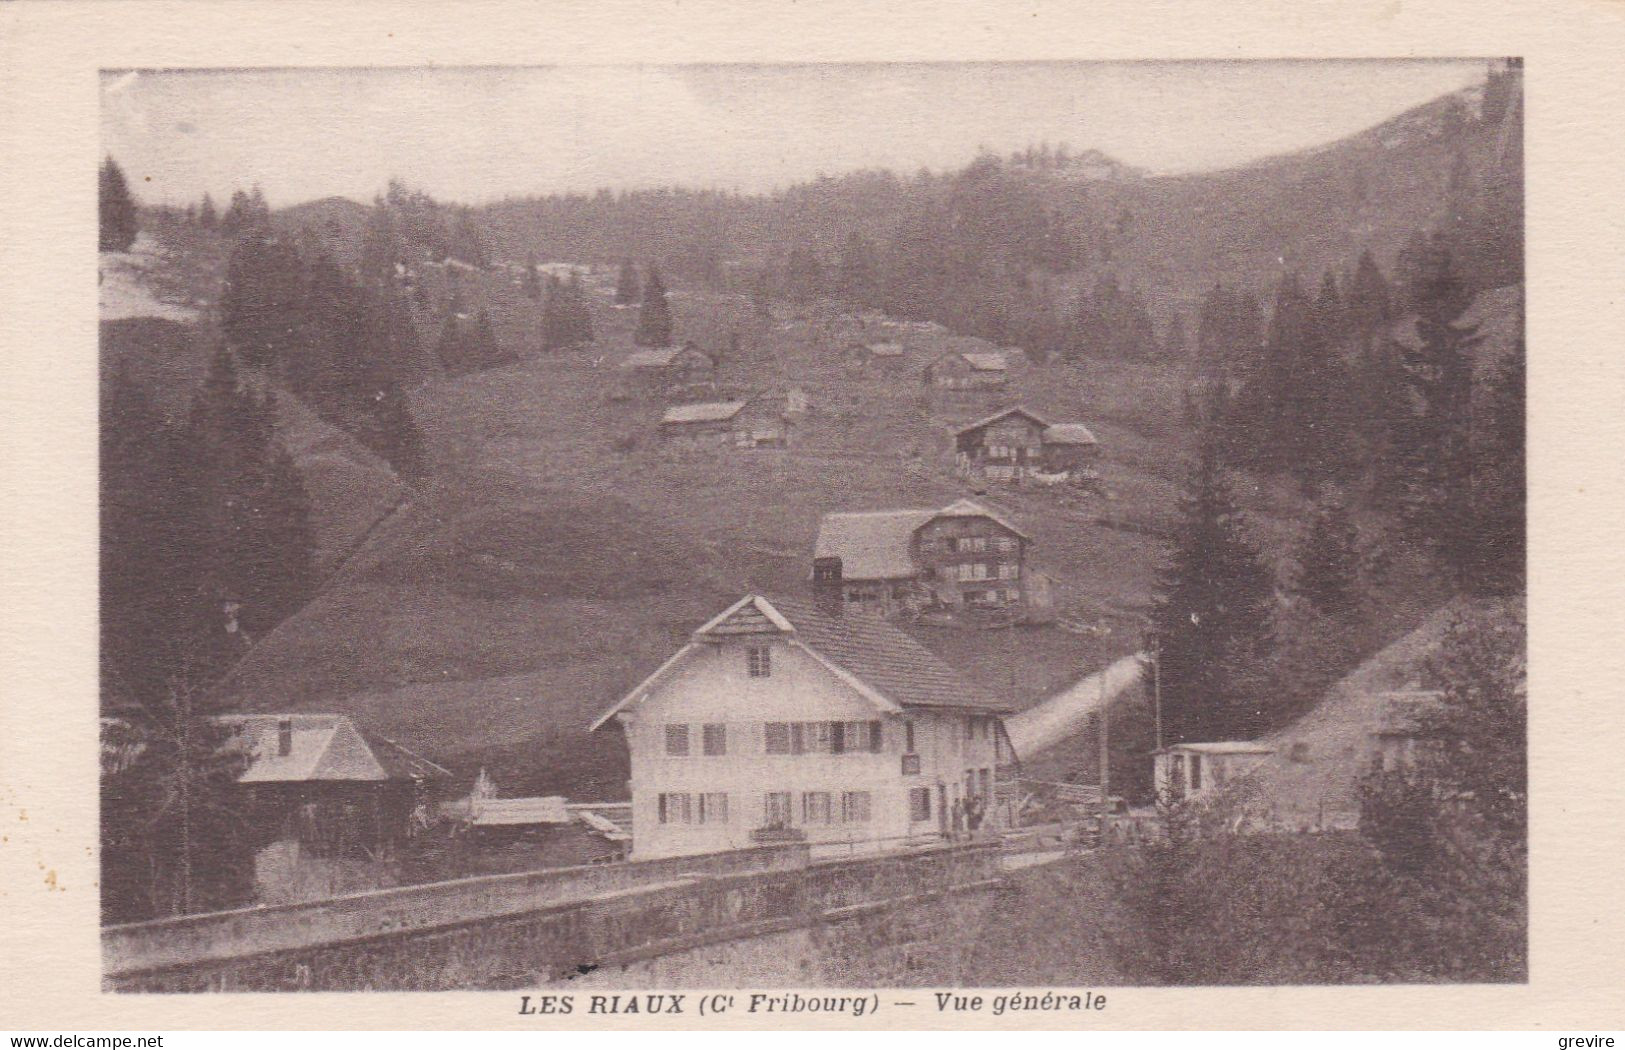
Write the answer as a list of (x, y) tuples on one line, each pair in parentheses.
[(967, 370), (1197, 770)]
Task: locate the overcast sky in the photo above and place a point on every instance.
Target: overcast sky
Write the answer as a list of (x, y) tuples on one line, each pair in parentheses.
[(475, 135)]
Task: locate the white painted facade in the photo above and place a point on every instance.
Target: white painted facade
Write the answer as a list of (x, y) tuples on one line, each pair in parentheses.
[(735, 740), (1196, 771)]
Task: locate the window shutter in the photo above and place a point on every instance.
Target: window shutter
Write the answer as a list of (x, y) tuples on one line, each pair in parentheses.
[(875, 742), (837, 738)]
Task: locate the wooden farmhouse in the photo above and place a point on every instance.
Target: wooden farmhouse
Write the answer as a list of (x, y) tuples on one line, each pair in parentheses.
[(799, 721), (1014, 443), (960, 370), (674, 371), (762, 421), (960, 555)]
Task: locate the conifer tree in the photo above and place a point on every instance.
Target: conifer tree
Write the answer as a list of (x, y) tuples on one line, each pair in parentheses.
[(1369, 299), (207, 216), (628, 290), (263, 302), (1433, 443), (175, 837), (654, 319), (118, 224), (1212, 616), (486, 351), (449, 349), (532, 279), (1329, 559)]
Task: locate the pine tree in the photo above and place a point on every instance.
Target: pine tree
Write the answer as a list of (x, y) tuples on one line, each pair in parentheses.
[(628, 290), (1369, 299), (486, 351), (176, 835), (1500, 484), (449, 350), (555, 319), (532, 279), (208, 217), (1212, 616), (1433, 444), (654, 319), (1329, 559), (580, 314), (264, 299), (118, 225)]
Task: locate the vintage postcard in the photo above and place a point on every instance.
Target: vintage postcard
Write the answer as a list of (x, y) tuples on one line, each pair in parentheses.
[(795, 539)]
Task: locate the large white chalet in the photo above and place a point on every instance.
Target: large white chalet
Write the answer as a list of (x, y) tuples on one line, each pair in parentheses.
[(805, 721)]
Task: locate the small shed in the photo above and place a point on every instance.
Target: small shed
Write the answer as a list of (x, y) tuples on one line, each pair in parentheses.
[(755, 422), (887, 357), (1201, 769)]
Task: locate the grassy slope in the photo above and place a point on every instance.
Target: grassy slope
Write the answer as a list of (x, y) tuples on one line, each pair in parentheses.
[(547, 570), (495, 609)]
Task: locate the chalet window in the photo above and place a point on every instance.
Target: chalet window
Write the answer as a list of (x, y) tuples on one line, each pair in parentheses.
[(675, 808), (714, 739), (978, 544), (1196, 772), (908, 738), (919, 804), (854, 807), (1007, 543), (776, 809), (714, 807), (819, 737), (759, 660), (911, 765), (1007, 570), (284, 737), (676, 739), (876, 743), (777, 736), (815, 807)]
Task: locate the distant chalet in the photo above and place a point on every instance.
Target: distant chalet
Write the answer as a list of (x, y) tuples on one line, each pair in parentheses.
[(1015, 442), (960, 555), (762, 421), (967, 371), (785, 720), (670, 371)]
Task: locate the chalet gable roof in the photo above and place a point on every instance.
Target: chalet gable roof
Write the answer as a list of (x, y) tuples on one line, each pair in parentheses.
[(1001, 414), (860, 647), (966, 508), (323, 747)]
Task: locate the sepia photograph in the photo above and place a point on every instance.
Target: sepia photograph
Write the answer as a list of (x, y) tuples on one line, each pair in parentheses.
[(812, 526)]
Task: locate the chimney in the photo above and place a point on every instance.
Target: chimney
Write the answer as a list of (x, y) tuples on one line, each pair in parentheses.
[(827, 586), (284, 737)]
